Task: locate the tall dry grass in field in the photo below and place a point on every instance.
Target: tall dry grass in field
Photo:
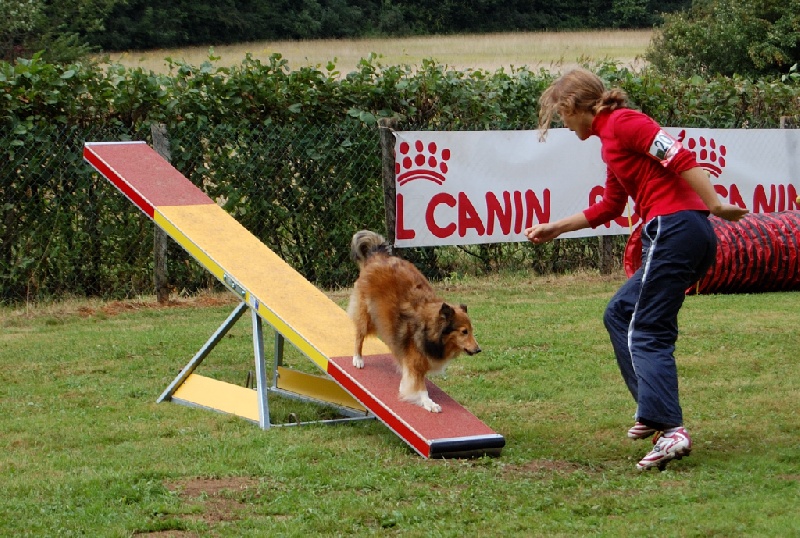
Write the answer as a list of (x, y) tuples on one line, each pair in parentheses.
[(549, 50)]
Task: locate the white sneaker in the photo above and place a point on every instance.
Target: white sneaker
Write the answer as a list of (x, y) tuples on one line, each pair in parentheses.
[(671, 445)]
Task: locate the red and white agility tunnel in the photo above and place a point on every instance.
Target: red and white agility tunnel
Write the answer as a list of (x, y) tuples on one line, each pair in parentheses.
[(757, 254)]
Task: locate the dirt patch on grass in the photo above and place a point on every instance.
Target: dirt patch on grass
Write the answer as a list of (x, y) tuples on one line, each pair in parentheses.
[(208, 299), (211, 487), (210, 500), (86, 308), (543, 466), (114, 308)]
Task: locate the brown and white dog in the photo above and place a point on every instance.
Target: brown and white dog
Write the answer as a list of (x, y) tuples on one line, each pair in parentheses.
[(392, 299)]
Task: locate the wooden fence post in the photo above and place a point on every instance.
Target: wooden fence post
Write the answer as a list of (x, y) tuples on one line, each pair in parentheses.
[(606, 254), (790, 122), (386, 128), (160, 282)]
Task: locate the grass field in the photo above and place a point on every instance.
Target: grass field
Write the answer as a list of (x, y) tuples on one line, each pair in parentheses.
[(551, 50), (86, 451)]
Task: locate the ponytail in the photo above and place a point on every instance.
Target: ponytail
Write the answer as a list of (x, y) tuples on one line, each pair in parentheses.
[(611, 100), (576, 91)]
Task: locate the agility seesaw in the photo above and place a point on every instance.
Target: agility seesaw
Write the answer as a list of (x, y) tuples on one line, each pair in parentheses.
[(298, 312)]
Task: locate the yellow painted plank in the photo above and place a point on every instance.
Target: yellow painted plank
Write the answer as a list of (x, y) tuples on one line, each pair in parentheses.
[(294, 306), (188, 244), (319, 388), (225, 397)]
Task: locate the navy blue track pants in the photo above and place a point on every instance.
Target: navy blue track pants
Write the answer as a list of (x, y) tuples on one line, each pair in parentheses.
[(642, 317)]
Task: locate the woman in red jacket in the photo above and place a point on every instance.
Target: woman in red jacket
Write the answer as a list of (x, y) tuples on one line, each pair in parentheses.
[(673, 196)]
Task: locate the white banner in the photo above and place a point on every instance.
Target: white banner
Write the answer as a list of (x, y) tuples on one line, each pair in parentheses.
[(469, 187)]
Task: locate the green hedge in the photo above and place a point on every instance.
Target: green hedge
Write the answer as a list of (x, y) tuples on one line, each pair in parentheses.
[(294, 155)]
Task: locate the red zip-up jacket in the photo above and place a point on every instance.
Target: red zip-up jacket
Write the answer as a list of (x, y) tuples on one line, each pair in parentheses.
[(643, 162)]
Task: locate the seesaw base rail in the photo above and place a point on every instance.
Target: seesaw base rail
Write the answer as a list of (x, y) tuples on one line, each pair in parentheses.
[(251, 402)]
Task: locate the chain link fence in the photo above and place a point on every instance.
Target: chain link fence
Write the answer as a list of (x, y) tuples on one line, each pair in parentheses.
[(302, 189)]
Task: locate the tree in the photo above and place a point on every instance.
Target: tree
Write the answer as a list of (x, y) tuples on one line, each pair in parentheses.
[(729, 37), (20, 19), (631, 13), (57, 28)]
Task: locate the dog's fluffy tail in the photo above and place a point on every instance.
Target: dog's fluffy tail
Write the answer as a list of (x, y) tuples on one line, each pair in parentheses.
[(366, 243)]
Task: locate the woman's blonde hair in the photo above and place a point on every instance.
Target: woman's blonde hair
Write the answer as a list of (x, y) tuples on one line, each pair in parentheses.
[(578, 90)]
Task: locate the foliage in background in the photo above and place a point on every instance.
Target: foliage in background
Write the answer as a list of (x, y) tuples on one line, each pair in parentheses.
[(709, 37), (57, 30), (293, 155), (65, 27), (20, 19), (729, 37)]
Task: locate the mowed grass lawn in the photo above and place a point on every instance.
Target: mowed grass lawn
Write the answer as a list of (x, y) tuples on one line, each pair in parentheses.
[(87, 451)]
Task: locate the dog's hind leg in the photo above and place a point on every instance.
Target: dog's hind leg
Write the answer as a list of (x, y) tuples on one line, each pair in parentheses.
[(362, 324), (358, 360), (361, 334), (413, 390)]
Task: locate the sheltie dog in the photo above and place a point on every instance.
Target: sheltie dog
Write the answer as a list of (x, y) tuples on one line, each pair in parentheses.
[(393, 300)]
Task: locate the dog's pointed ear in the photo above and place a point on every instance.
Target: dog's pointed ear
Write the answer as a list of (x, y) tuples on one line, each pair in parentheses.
[(446, 312), (463, 307)]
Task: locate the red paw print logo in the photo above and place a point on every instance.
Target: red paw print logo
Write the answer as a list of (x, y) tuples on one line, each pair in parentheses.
[(708, 153), (421, 162)]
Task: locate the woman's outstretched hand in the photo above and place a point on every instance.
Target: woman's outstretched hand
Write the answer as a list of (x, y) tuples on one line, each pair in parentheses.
[(541, 233), (729, 212)]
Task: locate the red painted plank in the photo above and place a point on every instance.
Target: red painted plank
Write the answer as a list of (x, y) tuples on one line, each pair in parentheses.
[(376, 386), (143, 175)]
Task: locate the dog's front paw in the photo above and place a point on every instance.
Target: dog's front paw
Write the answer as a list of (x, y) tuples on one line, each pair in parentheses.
[(432, 406), (358, 361)]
